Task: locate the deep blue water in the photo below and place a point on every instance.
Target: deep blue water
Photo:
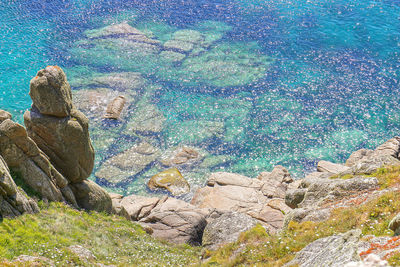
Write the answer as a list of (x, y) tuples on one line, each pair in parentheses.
[(333, 86)]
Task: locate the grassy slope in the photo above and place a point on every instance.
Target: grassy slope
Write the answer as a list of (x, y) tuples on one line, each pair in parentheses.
[(112, 239)]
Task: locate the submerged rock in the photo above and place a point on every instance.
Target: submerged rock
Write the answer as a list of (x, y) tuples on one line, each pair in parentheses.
[(200, 58), (128, 163), (182, 156), (171, 180), (145, 118)]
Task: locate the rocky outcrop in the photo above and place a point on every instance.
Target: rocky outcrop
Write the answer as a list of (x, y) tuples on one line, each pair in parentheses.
[(54, 154), (59, 129), (260, 198), (319, 192), (326, 166), (316, 191), (22, 154), (4, 115), (226, 229), (171, 180), (368, 161), (336, 250), (176, 221), (315, 198), (13, 201), (91, 196), (170, 219)]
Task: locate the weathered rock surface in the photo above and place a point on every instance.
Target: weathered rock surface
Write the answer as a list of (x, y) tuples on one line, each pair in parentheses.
[(311, 198), (27, 260), (233, 192), (91, 196), (13, 200), (4, 115), (57, 127), (320, 190), (177, 221), (128, 163), (383, 247), (276, 182), (357, 155), (51, 93), (135, 207), (371, 260), (170, 219), (54, 155), (317, 194), (336, 250), (22, 155), (226, 229), (171, 180), (326, 166), (394, 224), (367, 162)]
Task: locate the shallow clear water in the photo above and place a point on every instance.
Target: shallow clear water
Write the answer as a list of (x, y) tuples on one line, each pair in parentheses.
[(265, 83)]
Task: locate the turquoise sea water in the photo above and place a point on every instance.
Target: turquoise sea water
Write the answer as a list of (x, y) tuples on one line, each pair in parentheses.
[(263, 83)]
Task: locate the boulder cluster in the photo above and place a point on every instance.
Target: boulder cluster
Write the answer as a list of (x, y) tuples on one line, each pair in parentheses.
[(53, 155)]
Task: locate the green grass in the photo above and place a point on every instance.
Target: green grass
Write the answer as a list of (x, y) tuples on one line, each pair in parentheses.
[(112, 239)]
